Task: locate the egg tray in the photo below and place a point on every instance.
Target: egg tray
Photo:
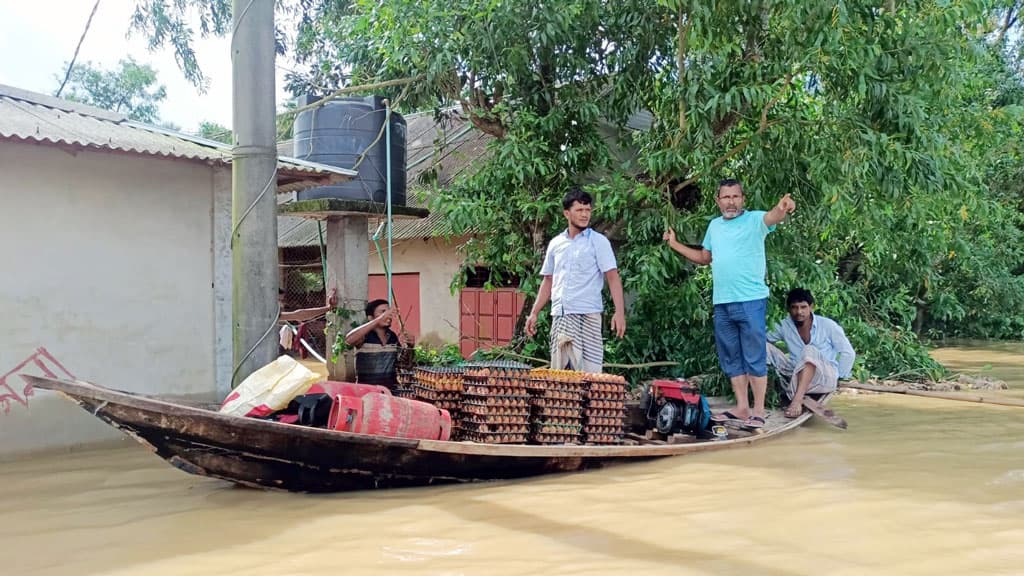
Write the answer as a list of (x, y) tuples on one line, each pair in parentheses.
[(435, 396), (591, 421), (484, 409), (602, 438), (495, 419), (438, 387), (557, 412), (556, 425), (599, 404), (556, 438), (517, 383), (492, 438), (591, 377), (479, 389), (604, 389), (502, 401), (559, 394), (603, 429), (553, 403), (605, 413), (472, 425)]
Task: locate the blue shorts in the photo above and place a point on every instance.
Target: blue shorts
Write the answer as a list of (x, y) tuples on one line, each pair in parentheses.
[(741, 337)]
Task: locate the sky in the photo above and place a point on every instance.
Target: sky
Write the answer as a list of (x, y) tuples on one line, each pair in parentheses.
[(37, 38)]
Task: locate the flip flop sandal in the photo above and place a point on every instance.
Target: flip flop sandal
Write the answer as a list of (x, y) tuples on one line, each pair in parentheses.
[(754, 422), (724, 417)]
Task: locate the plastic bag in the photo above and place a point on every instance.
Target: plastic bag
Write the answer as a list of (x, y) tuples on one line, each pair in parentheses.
[(270, 388)]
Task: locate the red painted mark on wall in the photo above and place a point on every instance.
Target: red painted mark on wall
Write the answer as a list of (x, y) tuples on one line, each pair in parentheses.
[(39, 361)]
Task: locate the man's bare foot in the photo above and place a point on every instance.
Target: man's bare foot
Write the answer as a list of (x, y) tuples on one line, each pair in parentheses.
[(794, 410)]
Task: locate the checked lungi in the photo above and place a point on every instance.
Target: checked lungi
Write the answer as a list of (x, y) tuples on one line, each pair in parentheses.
[(824, 380), (577, 343)]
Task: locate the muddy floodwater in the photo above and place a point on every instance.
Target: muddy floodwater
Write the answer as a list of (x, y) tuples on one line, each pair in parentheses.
[(915, 486)]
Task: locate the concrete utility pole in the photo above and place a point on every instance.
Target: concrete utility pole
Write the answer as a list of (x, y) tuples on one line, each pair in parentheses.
[(253, 188)]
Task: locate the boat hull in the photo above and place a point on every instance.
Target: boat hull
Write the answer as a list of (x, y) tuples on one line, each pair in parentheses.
[(267, 454)]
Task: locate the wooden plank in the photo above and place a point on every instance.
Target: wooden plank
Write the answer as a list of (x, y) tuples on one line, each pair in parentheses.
[(958, 396), (825, 414)]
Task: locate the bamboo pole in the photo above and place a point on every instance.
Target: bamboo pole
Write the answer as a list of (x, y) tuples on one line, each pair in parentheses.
[(958, 396)]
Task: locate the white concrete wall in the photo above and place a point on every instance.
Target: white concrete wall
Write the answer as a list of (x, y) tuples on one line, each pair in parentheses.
[(437, 262), (107, 261)]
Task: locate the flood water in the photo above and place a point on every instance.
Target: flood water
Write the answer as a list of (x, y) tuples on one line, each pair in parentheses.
[(915, 486)]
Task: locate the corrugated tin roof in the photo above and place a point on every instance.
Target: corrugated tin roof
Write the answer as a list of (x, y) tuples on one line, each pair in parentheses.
[(38, 118), (293, 232)]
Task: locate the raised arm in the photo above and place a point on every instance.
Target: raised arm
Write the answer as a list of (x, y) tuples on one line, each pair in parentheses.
[(784, 208), (543, 295), (699, 256), (357, 335), (305, 314)]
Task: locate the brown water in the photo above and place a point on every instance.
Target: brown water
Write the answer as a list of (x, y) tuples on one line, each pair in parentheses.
[(915, 486)]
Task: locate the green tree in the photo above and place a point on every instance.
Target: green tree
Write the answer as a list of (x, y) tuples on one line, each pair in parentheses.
[(214, 131), (131, 89), (895, 124), (870, 114)]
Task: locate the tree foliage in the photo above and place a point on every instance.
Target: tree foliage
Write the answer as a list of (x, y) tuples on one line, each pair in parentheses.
[(214, 131), (895, 124), (131, 89)]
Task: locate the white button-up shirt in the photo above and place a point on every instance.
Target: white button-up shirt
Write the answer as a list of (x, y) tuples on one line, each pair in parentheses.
[(577, 267), (826, 335)]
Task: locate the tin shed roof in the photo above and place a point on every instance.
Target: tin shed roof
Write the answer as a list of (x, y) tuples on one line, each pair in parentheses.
[(37, 118)]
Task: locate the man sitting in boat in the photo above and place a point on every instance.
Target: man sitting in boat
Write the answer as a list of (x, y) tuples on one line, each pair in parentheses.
[(377, 345), (819, 352)]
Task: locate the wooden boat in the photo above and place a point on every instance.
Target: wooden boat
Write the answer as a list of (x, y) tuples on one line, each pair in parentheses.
[(267, 454)]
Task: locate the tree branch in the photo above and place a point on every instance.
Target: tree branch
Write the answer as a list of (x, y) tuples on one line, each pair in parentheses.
[(684, 30), (762, 126), (1008, 22), (350, 89)]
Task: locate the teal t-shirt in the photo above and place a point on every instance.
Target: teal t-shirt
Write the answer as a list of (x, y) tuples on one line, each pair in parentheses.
[(737, 257)]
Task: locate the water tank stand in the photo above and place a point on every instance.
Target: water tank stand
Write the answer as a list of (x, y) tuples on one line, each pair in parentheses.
[(324, 208), (348, 266)]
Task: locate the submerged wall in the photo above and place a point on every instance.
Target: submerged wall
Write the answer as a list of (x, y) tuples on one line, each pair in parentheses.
[(108, 266)]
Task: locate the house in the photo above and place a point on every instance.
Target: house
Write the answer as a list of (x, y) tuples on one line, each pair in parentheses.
[(117, 261)]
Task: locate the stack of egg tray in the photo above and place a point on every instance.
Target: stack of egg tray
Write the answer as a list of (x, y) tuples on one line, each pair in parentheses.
[(442, 387), (406, 386), (495, 403), (556, 406), (605, 408)]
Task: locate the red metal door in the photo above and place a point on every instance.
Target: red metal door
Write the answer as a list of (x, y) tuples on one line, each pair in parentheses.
[(407, 295), (487, 319)]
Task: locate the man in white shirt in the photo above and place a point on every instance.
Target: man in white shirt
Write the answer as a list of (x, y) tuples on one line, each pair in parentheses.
[(819, 351), (576, 265)]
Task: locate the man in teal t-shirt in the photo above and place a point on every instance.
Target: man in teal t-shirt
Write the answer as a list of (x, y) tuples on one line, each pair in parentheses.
[(740, 295)]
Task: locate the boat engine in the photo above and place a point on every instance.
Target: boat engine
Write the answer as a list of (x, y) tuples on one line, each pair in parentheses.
[(673, 406)]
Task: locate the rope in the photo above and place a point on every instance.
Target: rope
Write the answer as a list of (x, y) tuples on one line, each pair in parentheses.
[(71, 64)]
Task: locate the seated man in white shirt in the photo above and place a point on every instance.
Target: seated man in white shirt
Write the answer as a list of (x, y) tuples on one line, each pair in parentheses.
[(819, 352)]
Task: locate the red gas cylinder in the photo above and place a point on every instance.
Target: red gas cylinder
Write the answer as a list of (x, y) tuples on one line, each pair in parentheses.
[(381, 415), (347, 389)]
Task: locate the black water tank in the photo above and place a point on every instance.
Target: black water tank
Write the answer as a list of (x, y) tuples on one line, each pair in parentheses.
[(338, 132)]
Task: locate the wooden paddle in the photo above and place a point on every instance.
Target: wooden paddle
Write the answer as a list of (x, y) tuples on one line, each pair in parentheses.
[(824, 413), (958, 396)]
